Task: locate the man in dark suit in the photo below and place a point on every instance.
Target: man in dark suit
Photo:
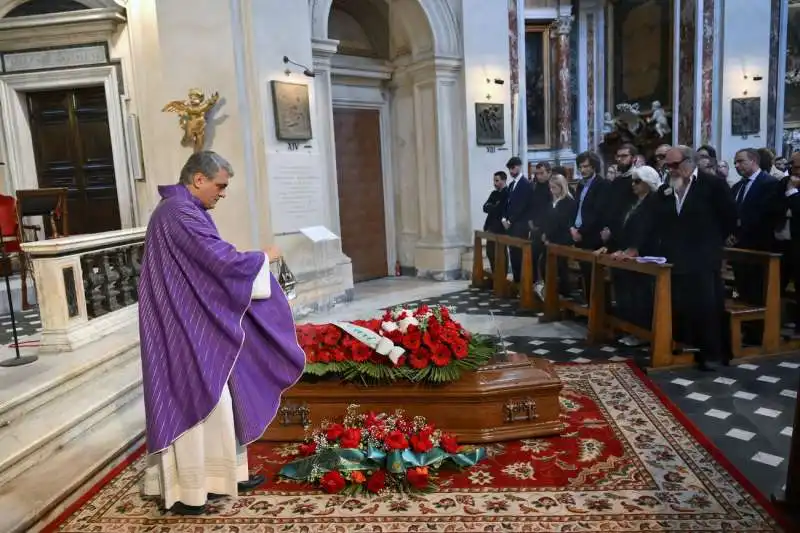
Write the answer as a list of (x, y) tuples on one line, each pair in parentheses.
[(620, 193), (696, 213), (517, 212), (541, 203), (589, 230), (494, 207), (758, 205)]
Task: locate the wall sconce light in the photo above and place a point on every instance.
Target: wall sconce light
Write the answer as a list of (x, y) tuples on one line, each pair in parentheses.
[(758, 78), (306, 71)]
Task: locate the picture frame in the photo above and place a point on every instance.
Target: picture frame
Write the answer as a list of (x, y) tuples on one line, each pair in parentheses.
[(290, 102), (539, 89), (490, 124), (746, 116)]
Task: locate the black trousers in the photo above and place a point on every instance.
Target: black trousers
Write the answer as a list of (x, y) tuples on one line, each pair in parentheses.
[(633, 293), (563, 273), (698, 313), (515, 254), (538, 252), (490, 252)]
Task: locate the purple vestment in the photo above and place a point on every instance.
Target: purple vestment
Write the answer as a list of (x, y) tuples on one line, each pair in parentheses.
[(199, 327)]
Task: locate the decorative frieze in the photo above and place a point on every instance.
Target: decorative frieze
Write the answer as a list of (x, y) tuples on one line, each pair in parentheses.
[(76, 56)]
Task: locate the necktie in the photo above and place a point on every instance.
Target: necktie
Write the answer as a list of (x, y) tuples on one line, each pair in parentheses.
[(740, 195)]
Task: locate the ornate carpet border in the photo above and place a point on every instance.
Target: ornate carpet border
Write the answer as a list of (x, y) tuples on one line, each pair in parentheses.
[(684, 420)]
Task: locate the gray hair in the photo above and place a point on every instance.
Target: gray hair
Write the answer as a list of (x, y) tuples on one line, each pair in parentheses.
[(207, 163)]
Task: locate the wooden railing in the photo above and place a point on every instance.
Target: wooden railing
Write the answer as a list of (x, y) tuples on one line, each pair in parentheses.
[(769, 313), (602, 324), (499, 282)]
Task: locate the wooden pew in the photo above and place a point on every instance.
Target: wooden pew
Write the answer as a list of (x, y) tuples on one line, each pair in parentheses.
[(662, 346), (500, 285), (769, 313), (554, 303)]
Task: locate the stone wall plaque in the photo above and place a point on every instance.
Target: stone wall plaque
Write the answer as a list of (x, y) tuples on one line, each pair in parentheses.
[(296, 193), (292, 111), (75, 56), (489, 124), (746, 116)]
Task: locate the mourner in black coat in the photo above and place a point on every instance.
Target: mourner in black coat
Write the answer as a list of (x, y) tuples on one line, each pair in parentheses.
[(517, 213), (556, 224), (541, 200), (635, 236), (592, 212), (696, 213), (759, 204), (494, 207)]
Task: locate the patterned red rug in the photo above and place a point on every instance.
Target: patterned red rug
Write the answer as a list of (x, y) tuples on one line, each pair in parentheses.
[(628, 462)]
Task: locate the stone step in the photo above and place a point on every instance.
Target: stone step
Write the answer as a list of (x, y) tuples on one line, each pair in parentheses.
[(34, 437), (38, 495), (25, 389)]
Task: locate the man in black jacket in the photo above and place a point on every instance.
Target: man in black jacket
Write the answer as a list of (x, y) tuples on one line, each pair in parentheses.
[(517, 212), (592, 213), (494, 207), (621, 195), (541, 202), (696, 213)]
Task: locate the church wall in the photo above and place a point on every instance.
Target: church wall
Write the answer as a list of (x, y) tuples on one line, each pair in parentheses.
[(175, 49), (485, 59), (745, 52)]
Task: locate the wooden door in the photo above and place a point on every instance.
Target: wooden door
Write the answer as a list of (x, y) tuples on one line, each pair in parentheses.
[(72, 145), (360, 177)]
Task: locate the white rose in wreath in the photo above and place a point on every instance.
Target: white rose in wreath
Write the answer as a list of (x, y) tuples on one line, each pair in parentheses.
[(406, 322)]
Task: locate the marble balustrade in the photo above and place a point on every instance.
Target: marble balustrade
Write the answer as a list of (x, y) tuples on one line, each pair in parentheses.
[(86, 285)]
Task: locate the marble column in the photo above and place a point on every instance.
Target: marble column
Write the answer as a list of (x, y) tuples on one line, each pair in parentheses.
[(591, 119), (322, 50), (687, 61), (772, 81), (707, 64), (563, 26)]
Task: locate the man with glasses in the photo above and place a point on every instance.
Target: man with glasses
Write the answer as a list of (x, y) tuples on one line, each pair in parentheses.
[(658, 161), (696, 213)]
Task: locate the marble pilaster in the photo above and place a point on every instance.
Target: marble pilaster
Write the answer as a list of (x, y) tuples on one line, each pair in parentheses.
[(322, 50), (686, 71), (590, 81), (563, 27), (772, 87), (707, 64), (443, 213)]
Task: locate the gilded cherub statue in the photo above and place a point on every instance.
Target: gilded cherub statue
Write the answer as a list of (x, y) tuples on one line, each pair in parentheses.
[(192, 113)]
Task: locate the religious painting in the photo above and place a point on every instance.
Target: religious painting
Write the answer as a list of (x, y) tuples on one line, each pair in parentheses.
[(489, 124), (791, 109), (746, 116), (292, 111), (639, 51), (538, 86)]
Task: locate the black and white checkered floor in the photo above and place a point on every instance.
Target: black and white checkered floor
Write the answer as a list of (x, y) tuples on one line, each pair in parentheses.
[(27, 322), (746, 410)]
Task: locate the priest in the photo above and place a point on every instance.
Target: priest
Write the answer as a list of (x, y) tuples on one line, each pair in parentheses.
[(218, 345)]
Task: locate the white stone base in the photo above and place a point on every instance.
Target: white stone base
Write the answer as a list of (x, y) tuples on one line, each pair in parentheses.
[(437, 262), (81, 332)]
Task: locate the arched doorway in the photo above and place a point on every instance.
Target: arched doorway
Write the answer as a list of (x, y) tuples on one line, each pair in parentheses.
[(396, 110)]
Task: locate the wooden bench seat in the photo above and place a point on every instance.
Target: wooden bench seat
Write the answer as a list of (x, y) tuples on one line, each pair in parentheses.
[(743, 312)]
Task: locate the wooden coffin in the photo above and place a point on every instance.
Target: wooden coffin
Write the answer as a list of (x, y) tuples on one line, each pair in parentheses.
[(514, 397)]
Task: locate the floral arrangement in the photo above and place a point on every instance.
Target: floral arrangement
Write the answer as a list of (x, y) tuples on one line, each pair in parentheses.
[(423, 344), (372, 453)]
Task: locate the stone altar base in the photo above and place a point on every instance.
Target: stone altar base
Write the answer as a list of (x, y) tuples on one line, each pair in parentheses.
[(513, 397)]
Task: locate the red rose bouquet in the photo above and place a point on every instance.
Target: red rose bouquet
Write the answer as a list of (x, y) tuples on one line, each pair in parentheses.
[(423, 344), (370, 453)]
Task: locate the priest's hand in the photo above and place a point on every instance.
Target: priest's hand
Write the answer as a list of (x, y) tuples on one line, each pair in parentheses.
[(273, 252)]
